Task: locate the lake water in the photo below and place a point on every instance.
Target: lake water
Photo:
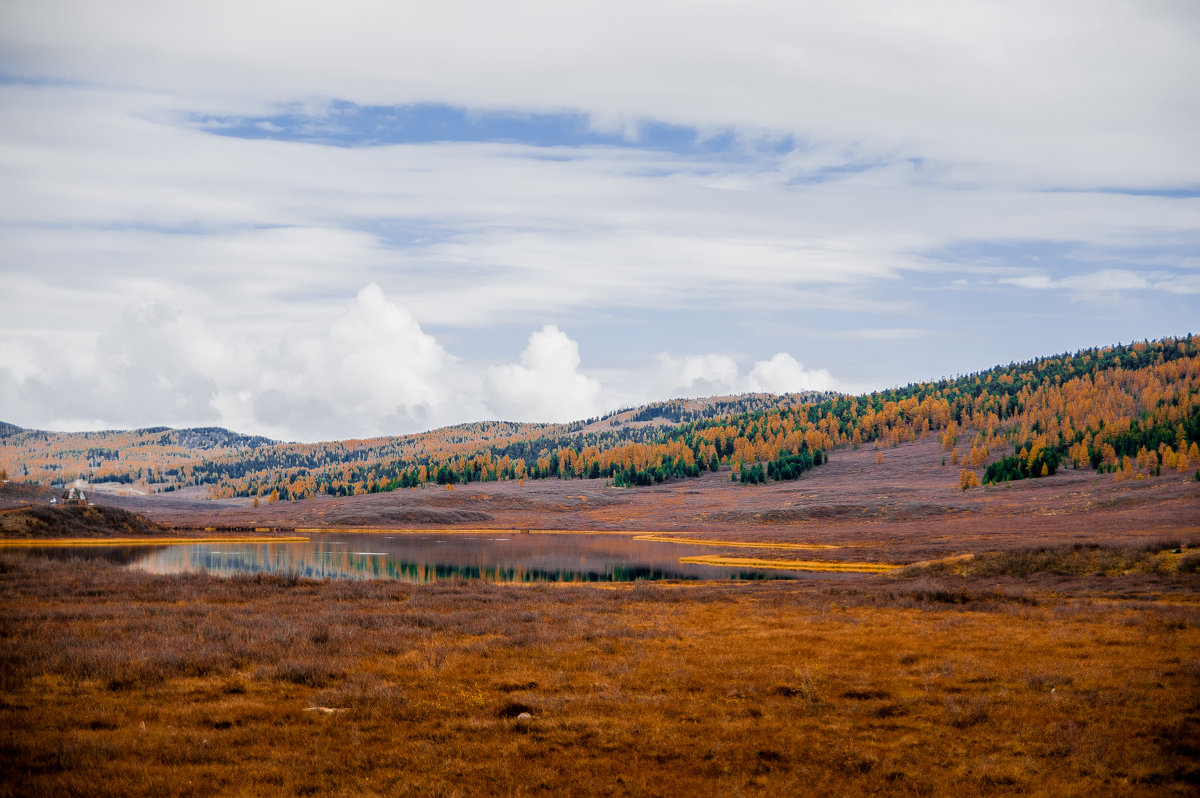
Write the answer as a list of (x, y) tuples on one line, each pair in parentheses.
[(495, 557)]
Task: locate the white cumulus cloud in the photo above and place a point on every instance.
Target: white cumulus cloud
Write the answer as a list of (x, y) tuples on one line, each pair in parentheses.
[(370, 370), (784, 374), (714, 374), (546, 385), (699, 375), (373, 370)]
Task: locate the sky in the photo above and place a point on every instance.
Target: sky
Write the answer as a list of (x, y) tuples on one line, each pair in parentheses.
[(318, 221)]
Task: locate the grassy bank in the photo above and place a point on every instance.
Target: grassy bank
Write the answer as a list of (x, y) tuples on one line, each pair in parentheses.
[(1080, 559), (120, 682), (40, 522)]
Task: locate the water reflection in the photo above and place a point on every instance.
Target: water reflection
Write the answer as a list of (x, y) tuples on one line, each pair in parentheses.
[(118, 555), (517, 557)]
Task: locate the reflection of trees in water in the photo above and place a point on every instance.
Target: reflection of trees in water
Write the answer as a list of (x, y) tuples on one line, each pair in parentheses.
[(621, 573), (422, 561), (588, 560), (341, 565), (118, 555)]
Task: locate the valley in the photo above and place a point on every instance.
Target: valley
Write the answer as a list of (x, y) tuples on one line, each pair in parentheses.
[(1037, 635)]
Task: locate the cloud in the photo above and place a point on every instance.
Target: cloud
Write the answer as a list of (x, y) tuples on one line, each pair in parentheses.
[(783, 173), (372, 370), (783, 374), (142, 368), (384, 358), (97, 177), (1107, 282), (699, 375), (1182, 284), (1035, 282), (716, 374), (1064, 92), (546, 385)]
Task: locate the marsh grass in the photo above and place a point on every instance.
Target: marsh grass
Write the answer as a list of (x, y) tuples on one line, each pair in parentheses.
[(828, 566), (119, 682), (1189, 563), (1078, 559)]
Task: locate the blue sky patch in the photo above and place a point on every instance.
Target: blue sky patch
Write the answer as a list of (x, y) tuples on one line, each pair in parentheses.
[(346, 124), (1185, 192), (1032, 252)]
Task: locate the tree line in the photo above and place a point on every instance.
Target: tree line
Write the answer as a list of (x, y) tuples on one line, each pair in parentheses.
[(1130, 410)]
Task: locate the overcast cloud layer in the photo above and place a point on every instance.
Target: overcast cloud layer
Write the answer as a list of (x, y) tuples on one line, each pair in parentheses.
[(314, 220)]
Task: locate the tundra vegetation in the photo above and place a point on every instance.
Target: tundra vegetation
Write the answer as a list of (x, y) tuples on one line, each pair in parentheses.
[(1023, 673)]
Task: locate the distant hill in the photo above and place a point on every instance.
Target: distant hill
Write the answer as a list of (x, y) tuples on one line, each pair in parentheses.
[(1132, 411), (163, 458), (682, 411), (150, 455)]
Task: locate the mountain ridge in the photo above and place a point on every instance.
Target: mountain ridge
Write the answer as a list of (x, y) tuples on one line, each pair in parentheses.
[(1130, 408)]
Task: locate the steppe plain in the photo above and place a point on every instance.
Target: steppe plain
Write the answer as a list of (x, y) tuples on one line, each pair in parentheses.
[(1043, 638)]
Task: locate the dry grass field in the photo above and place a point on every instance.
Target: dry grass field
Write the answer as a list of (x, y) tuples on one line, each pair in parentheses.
[(118, 682), (1043, 638)]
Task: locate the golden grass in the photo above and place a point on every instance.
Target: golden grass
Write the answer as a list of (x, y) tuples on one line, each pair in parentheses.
[(175, 541), (735, 544), (1154, 557), (827, 566), (123, 683)]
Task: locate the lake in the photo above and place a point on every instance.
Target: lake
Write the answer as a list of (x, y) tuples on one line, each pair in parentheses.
[(431, 557)]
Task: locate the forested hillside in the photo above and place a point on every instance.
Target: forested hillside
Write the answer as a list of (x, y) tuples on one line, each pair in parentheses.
[(1132, 411), (163, 459), (150, 455)]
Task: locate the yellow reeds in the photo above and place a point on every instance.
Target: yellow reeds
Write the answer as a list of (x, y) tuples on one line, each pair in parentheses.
[(793, 565), (736, 544)]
